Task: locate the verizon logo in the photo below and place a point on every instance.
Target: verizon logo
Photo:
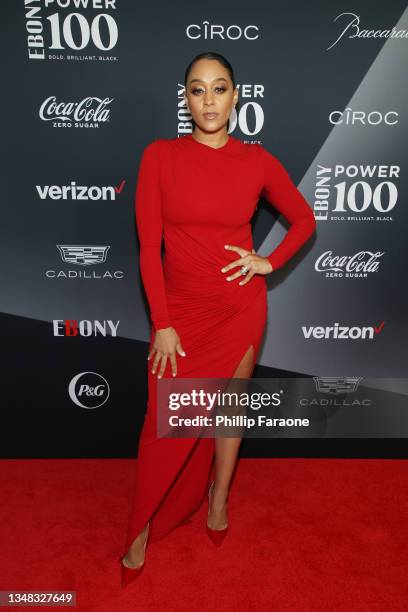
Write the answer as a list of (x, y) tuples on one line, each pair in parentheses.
[(80, 192), (342, 332)]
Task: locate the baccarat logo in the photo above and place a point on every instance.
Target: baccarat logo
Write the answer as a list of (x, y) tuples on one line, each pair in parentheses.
[(349, 25)]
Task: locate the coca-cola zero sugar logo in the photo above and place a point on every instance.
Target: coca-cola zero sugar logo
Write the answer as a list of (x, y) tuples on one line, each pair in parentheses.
[(358, 265), (88, 113)]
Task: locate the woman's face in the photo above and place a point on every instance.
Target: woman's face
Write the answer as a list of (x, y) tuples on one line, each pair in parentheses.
[(209, 89)]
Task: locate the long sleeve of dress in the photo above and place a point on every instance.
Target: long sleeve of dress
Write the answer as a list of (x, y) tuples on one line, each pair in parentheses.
[(280, 191), (149, 224)]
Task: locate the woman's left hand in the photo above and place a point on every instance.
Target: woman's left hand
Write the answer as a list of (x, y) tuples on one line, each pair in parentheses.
[(255, 264)]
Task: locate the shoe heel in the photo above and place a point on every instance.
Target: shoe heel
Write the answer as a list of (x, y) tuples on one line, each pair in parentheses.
[(216, 535), (128, 574)]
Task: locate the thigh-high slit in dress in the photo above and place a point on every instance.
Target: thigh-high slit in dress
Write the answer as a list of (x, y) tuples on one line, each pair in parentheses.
[(196, 199)]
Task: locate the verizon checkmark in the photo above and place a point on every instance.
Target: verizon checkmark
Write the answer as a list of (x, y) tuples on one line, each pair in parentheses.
[(119, 188), (378, 329)]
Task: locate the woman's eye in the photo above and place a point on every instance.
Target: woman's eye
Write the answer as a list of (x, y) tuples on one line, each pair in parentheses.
[(197, 90)]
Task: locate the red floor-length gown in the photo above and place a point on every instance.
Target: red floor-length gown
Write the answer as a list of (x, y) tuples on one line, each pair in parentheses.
[(200, 198)]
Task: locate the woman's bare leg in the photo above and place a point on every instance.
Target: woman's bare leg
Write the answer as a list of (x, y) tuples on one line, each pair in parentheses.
[(226, 451)]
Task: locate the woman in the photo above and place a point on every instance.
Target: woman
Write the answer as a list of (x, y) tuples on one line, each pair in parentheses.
[(207, 298)]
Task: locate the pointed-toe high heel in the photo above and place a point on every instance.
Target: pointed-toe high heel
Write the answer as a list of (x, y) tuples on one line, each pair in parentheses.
[(216, 535), (130, 573)]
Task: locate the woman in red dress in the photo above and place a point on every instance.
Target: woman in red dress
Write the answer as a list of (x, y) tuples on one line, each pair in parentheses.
[(207, 297)]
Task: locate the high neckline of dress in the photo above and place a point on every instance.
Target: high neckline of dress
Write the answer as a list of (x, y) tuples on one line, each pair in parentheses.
[(201, 144)]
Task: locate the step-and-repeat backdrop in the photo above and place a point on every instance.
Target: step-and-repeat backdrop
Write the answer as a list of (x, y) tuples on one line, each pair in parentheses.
[(87, 84)]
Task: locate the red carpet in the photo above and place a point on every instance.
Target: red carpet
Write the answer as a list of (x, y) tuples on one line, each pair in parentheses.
[(305, 534)]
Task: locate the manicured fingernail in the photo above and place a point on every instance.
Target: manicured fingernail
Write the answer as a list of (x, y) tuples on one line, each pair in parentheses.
[(222, 269), (183, 354), (159, 376), (226, 246), (174, 373)]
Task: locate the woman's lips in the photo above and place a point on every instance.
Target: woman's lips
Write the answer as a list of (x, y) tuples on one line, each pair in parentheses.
[(210, 115)]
